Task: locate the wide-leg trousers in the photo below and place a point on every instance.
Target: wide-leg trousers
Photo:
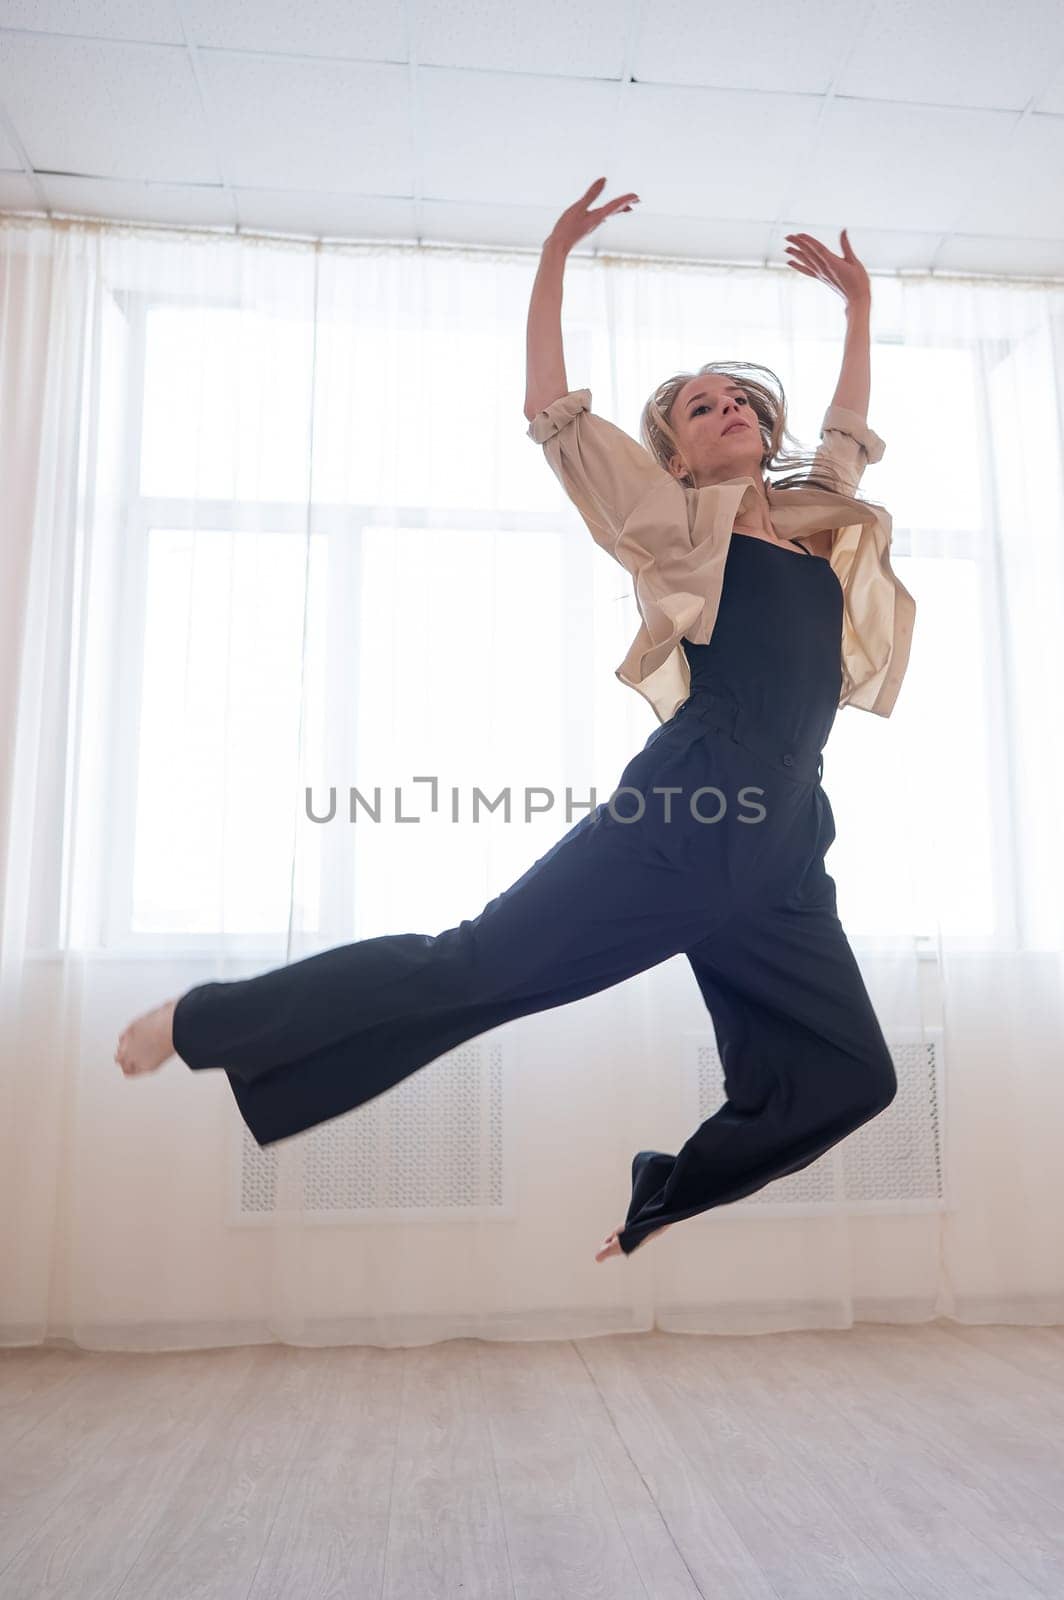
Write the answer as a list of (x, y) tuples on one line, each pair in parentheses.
[(707, 848)]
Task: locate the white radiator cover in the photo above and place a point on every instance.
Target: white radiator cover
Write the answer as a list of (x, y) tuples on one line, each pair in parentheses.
[(892, 1164), (434, 1146)]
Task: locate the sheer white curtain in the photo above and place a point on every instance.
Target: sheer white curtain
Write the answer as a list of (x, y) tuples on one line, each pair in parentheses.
[(273, 530)]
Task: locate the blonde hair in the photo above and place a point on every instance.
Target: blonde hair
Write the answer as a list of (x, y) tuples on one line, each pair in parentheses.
[(769, 404)]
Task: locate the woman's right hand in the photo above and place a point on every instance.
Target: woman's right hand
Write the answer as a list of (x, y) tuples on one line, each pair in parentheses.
[(578, 221)]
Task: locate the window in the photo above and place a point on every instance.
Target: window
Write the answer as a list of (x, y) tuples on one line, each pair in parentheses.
[(403, 615), (402, 607)]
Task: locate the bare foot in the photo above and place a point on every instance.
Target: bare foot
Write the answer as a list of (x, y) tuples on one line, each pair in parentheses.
[(610, 1246), (148, 1041)]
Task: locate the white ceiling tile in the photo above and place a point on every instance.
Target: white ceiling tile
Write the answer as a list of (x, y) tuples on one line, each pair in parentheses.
[(17, 193), (104, 109), (691, 238), (553, 37), (907, 167), (536, 141), (885, 118), (1051, 98), (1020, 188), (504, 225), (139, 202), (1005, 257), (314, 125), (774, 45), (10, 159), (628, 234), (728, 154), (359, 29), (325, 216), (955, 52), (153, 20)]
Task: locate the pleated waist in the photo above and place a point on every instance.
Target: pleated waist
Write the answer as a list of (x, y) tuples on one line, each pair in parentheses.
[(803, 763)]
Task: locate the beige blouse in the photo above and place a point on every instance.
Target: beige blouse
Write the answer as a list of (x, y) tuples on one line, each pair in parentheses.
[(674, 541)]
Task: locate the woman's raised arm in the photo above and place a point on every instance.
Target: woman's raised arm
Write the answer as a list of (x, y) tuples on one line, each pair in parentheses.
[(545, 371)]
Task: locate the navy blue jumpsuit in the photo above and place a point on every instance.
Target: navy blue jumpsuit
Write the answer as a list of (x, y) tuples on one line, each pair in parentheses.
[(712, 844)]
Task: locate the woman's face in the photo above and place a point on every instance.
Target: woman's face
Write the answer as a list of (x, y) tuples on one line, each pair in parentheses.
[(717, 430)]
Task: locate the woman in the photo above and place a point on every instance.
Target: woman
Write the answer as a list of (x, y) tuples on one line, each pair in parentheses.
[(747, 647)]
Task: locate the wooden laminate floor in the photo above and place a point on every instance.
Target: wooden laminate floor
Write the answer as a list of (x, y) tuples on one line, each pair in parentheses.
[(900, 1463)]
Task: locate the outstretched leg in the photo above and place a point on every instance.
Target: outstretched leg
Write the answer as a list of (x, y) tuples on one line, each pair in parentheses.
[(611, 898)]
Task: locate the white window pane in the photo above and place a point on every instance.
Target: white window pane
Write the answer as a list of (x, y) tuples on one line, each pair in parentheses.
[(217, 744), (459, 641), (915, 848), (226, 405)]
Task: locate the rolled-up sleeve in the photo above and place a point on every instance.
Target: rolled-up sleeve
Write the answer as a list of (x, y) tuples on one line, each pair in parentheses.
[(848, 445), (603, 470)]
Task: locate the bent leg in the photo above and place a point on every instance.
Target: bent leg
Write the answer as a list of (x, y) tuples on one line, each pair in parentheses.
[(805, 1063)]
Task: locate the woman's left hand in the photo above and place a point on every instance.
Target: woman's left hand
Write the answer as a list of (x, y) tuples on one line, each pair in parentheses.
[(844, 273)]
